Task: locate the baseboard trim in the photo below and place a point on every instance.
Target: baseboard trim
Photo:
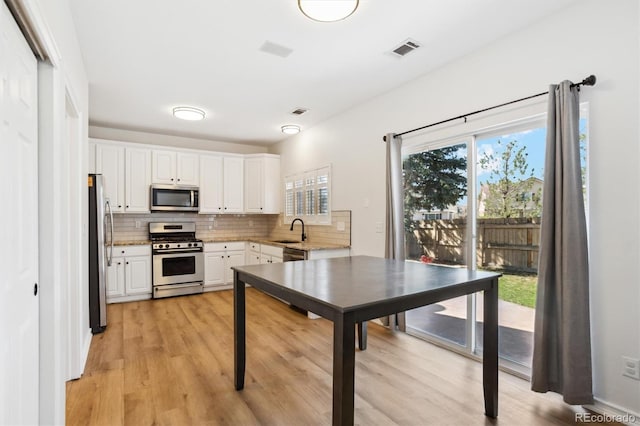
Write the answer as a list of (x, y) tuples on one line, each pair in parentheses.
[(614, 412)]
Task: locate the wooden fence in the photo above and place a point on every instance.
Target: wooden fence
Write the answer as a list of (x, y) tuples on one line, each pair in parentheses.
[(507, 244)]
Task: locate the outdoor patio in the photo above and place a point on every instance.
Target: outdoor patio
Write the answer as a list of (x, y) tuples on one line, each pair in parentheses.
[(447, 320)]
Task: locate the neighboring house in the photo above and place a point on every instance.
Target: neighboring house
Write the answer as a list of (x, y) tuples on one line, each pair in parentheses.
[(525, 202), (451, 212)]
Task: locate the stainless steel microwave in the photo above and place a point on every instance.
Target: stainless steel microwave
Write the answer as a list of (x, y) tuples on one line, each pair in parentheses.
[(174, 198)]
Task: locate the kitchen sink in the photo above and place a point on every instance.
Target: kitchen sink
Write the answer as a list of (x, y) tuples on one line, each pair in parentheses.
[(285, 241)]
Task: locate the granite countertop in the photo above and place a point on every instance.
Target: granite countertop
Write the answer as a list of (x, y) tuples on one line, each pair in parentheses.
[(132, 243), (299, 246)]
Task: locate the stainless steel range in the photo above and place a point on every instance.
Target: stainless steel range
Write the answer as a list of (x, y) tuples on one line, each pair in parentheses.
[(178, 259)]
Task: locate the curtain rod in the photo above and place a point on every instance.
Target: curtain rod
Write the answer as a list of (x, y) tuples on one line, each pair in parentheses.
[(589, 81)]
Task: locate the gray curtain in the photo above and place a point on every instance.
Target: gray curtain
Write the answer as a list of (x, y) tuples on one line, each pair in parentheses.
[(394, 229), (562, 344)]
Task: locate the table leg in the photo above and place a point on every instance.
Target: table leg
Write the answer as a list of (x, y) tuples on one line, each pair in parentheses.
[(362, 335), (344, 355), (490, 350), (239, 331)]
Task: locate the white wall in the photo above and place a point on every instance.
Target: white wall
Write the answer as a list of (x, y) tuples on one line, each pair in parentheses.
[(592, 37), (173, 141), (62, 195)]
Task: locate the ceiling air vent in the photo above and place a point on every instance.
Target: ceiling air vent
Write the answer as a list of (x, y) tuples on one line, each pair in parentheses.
[(299, 111), (407, 46), (275, 49)]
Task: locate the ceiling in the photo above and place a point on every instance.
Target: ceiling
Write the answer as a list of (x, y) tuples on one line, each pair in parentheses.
[(144, 57)]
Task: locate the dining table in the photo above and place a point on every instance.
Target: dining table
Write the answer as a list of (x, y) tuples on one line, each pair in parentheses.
[(349, 291)]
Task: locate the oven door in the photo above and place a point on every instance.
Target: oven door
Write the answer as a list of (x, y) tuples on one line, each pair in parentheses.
[(178, 267)]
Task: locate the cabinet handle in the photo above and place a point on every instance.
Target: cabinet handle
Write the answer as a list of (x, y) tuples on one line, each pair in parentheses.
[(178, 179), (219, 208), (225, 208), (171, 179), (127, 206), (122, 251), (119, 206), (119, 263), (35, 289), (127, 263)]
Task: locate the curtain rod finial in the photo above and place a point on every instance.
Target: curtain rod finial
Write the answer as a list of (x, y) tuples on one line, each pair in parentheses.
[(589, 81)]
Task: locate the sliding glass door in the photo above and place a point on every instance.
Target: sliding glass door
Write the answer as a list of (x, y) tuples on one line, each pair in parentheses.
[(477, 204)]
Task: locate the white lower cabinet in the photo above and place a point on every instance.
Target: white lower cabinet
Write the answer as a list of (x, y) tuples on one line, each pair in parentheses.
[(129, 276), (219, 258), (270, 254), (253, 253)]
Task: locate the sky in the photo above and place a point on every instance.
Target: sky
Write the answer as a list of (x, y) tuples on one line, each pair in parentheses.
[(533, 139)]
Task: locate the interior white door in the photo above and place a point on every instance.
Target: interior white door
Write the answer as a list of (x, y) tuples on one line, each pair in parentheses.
[(19, 317)]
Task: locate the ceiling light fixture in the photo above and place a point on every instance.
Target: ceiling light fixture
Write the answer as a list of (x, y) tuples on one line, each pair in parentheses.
[(188, 113), (327, 10), (290, 129)]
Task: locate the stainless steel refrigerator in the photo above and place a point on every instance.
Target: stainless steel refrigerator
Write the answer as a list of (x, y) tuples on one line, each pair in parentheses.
[(100, 252)]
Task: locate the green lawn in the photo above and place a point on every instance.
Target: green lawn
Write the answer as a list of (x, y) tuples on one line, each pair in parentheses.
[(520, 289)]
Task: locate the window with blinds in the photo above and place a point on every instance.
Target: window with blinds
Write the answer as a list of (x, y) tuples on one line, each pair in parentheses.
[(308, 196)]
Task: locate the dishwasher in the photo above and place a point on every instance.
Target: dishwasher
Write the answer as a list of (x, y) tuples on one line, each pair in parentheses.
[(291, 254)]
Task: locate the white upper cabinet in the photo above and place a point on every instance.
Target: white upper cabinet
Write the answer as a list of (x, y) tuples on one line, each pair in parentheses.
[(164, 167), (188, 166), (221, 184), (110, 164), (211, 184), (127, 176), (175, 168), (137, 180), (233, 184), (228, 183), (262, 183)]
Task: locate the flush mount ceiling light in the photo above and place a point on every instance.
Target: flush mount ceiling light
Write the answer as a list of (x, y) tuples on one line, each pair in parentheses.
[(188, 113), (327, 10), (290, 129)]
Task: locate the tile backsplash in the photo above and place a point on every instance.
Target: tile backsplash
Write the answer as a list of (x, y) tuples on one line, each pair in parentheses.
[(135, 227)]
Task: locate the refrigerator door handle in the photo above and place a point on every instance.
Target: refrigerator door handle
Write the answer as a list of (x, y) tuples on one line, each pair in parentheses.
[(110, 256)]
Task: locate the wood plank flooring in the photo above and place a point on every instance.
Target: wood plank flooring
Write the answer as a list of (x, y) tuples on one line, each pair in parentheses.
[(170, 362)]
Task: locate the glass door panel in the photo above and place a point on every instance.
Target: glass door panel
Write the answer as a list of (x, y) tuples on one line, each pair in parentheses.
[(435, 184), (510, 180)]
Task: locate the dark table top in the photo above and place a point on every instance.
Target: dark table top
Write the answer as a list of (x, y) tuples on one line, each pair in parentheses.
[(355, 283)]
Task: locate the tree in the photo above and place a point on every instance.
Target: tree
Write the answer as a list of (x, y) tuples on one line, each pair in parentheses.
[(507, 193), (433, 180)]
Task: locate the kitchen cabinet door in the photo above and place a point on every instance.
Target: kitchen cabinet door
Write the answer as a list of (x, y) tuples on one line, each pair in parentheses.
[(110, 164), (138, 275), (214, 268), (116, 278), (164, 167), (138, 180), (187, 166), (254, 195), (234, 258), (262, 184), (233, 184), (211, 184)]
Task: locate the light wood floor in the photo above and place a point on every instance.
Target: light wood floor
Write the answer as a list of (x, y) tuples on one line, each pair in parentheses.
[(170, 362)]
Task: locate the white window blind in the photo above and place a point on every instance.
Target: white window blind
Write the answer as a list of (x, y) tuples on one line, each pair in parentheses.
[(308, 196)]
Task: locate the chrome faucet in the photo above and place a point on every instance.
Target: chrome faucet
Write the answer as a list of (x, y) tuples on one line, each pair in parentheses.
[(304, 237)]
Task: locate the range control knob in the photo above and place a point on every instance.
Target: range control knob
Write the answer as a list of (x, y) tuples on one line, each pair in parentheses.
[(189, 245), (178, 245), (166, 246)]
